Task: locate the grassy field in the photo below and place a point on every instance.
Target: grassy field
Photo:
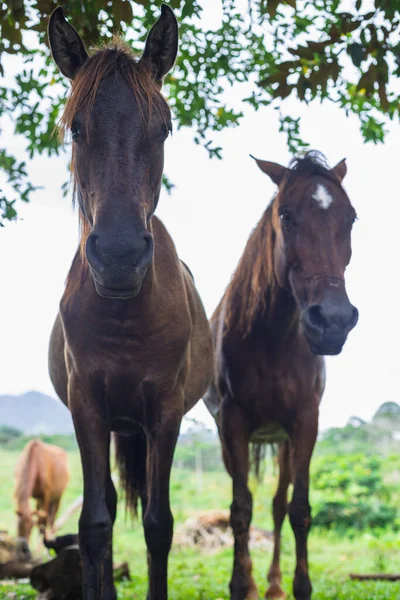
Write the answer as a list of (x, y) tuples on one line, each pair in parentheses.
[(197, 576)]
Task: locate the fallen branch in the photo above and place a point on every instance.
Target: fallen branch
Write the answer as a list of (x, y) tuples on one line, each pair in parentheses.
[(375, 577), (76, 505), (68, 514)]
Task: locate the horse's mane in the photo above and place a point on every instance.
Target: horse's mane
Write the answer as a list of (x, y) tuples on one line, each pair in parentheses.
[(116, 58), (310, 164), (253, 287), (252, 283)]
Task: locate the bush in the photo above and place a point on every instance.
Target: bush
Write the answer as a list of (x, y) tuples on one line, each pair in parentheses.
[(351, 493)]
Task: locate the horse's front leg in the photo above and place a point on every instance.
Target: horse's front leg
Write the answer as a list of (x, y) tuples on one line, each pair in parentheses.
[(158, 519), (306, 430), (99, 501)]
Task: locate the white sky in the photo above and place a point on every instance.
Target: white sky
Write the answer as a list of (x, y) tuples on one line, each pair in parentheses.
[(212, 210)]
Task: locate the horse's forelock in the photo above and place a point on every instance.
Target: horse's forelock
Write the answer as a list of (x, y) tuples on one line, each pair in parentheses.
[(117, 58)]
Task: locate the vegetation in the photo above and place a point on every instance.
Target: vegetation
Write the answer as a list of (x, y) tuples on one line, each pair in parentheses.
[(351, 494), (355, 498), (279, 48), (196, 576)]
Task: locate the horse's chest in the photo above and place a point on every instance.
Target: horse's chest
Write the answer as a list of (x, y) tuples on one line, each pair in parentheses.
[(127, 351), (136, 378), (273, 394)]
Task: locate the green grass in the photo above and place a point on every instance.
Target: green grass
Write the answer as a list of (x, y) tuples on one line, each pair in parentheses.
[(197, 576)]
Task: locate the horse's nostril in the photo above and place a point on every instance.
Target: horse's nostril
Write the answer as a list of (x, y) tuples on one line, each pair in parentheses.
[(315, 317), (92, 252), (91, 244), (147, 254)]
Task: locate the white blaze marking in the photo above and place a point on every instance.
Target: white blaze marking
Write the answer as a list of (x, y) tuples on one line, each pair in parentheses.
[(322, 196)]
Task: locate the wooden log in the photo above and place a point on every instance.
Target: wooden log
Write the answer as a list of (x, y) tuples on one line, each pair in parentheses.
[(16, 569), (375, 577)]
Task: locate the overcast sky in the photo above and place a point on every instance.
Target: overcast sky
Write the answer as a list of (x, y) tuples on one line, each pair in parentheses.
[(210, 214)]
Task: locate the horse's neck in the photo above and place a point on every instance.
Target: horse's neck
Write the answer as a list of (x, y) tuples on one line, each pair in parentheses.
[(279, 323), (80, 283)]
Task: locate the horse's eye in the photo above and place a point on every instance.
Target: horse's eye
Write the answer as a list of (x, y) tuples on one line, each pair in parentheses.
[(285, 215), (165, 130), (75, 133)]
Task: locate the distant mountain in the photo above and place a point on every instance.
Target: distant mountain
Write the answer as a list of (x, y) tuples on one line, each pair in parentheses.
[(35, 413)]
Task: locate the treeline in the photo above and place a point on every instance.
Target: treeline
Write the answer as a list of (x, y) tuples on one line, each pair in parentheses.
[(14, 440)]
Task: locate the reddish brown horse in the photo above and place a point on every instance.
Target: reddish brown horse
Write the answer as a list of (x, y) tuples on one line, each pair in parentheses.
[(285, 306), (131, 350), (41, 473)]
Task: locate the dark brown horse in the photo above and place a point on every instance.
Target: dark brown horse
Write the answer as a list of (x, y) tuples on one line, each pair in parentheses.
[(285, 306), (41, 473), (131, 349)]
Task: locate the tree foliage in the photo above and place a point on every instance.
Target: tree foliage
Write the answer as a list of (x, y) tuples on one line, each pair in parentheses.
[(390, 410), (308, 49)]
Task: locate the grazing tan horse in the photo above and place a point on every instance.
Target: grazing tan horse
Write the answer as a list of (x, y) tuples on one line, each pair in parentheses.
[(131, 349), (285, 307), (41, 473)]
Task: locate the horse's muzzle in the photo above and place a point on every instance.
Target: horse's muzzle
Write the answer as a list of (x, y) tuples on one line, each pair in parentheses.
[(326, 327), (119, 267)]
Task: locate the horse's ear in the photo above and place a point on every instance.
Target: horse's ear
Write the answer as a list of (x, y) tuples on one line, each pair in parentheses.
[(162, 44), (340, 170), (273, 170), (66, 46)]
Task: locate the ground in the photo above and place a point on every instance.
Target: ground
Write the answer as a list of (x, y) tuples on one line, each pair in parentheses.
[(195, 576)]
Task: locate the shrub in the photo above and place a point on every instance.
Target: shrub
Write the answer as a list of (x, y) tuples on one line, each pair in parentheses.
[(351, 493)]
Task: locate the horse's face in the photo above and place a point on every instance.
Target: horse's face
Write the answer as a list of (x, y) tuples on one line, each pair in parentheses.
[(119, 151), (313, 218)]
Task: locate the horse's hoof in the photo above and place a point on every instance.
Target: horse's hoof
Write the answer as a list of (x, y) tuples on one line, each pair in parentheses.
[(275, 591)]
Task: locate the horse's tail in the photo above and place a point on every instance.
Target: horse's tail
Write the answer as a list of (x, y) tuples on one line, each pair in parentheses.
[(130, 454), (258, 454), (27, 471)]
